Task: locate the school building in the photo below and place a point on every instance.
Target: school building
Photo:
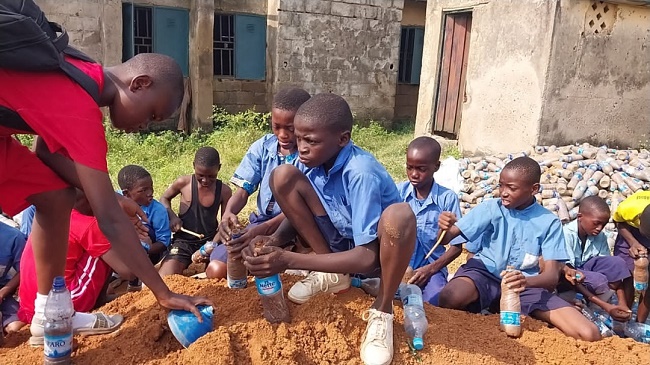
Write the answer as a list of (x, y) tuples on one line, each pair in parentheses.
[(505, 75), (237, 53)]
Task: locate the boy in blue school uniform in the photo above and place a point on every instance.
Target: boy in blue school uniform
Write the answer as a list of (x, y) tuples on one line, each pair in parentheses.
[(589, 256), (136, 183), (12, 244), (517, 231), (427, 199), (253, 173), (346, 207)]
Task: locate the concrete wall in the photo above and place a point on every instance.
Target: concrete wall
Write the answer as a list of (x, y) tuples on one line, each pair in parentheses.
[(348, 47), (508, 59), (598, 84), (414, 13)]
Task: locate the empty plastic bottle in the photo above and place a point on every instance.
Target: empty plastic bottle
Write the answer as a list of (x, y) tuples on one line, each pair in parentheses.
[(237, 275), (274, 305), (204, 251), (597, 318), (370, 286), (57, 335), (641, 272), (415, 320), (510, 309), (640, 332)]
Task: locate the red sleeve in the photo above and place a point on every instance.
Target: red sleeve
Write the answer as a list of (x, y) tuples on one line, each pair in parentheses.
[(94, 241), (60, 111)]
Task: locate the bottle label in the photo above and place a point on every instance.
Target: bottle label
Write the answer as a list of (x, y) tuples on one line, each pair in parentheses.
[(237, 283), (510, 318), (640, 286), (269, 285), (57, 346), (413, 299)]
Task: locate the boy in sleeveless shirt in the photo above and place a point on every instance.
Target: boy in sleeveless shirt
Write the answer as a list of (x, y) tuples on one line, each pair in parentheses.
[(202, 194)]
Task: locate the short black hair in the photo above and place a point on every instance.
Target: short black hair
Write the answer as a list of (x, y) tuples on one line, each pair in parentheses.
[(207, 157), (162, 69), (129, 176), (329, 111), (290, 99), (427, 144), (593, 204), (527, 168)]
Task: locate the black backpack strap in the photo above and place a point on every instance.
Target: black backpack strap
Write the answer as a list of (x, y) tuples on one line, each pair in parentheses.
[(13, 120), (85, 81)]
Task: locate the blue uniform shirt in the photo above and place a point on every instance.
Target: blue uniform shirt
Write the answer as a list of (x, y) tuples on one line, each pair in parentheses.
[(440, 200), (354, 193), (158, 225), (594, 245), (514, 237), (12, 243), (26, 220), (255, 169)]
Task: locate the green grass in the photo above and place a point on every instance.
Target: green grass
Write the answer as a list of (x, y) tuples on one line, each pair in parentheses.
[(167, 155)]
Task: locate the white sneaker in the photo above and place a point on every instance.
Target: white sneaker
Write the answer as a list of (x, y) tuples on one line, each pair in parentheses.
[(297, 272), (37, 328), (377, 343), (318, 282)]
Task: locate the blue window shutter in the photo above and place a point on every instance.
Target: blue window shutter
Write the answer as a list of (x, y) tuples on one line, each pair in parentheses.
[(171, 34), (250, 47), (127, 31), (416, 62)]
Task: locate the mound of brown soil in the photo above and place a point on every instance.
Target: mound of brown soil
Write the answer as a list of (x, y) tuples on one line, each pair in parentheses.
[(327, 330)]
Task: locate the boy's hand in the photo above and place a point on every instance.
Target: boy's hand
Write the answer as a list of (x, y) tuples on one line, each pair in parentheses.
[(514, 280), (264, 261), (636, 249), (619, 313), (446, 220), (184, 302), (422, 275), (228, 221), (4, 292), (175, 223), (236, 245), (573, 276), (134, 211)]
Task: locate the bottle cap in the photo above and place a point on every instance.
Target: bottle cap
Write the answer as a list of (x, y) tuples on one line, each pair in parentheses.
[(356, 282), (59, 283), (579, 296), (418, 343)]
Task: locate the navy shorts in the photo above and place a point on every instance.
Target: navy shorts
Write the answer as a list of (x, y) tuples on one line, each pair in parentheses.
[(489, 291), (332, 235), (622, 248)]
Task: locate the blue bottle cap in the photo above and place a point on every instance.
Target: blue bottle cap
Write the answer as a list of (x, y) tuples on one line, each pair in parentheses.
[(418, 343), (579, 296), (59, 283), (356, 282)]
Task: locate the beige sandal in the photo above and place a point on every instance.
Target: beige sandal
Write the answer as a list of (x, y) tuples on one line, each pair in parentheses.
[(103, 324)]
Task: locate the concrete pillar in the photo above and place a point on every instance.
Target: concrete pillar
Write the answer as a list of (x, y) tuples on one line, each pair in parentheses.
[(201, 64), (111, 32)]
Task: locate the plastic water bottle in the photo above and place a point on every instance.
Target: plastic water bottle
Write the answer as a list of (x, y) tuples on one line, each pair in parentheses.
[(274, 306), (510, 310), (640, 332), (370, 286), (58, 324), (641, 272), (237, 275), (598, 319), (204, 251), (415, 320)]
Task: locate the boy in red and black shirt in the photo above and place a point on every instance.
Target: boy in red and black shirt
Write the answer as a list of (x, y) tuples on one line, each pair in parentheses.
[(71, 150)]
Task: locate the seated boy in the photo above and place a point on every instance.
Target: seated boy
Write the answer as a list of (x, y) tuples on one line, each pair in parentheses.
[(427, 199), (589, 257), (632, 217), (135, 183), (347, 209), (12, 244), (253, 172), (517, 231), (71, 149), (89, 263), (202, 194)]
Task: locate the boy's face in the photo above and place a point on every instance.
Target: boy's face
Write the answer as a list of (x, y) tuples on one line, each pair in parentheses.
[(316, 145), (141, 192), (593, 222), (282, 126), (515, 192), (141, 103), (420, 167), (206, 176)]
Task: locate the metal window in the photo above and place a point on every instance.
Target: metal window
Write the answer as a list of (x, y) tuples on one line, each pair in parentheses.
[(224, 45), (406, 55), (142, 30)]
